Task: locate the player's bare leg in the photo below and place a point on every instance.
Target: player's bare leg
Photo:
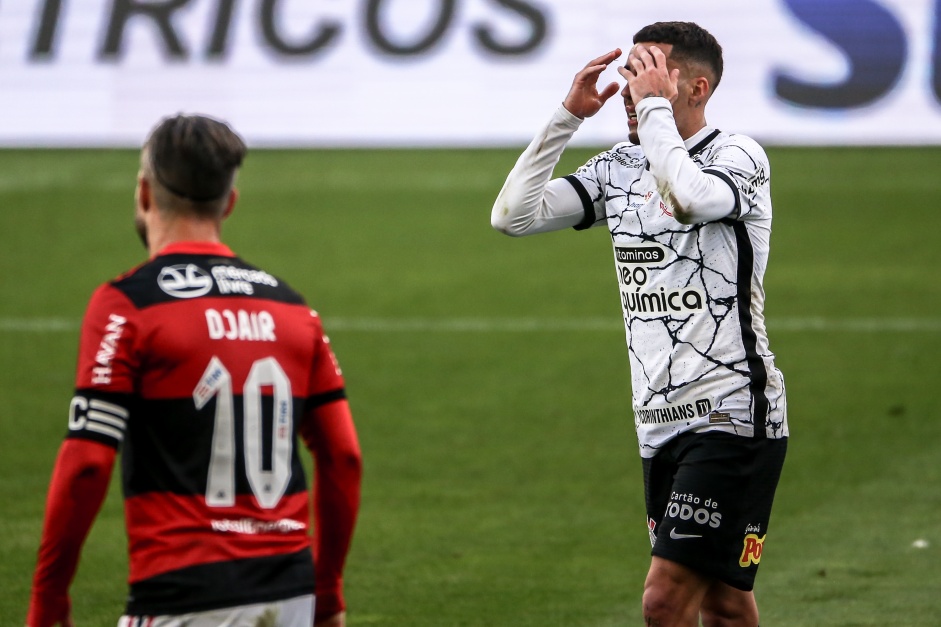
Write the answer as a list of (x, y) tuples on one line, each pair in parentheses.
[(673, 594), (725, 606)]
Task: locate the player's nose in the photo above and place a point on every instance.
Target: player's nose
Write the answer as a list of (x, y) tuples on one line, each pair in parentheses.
[(626, 93)]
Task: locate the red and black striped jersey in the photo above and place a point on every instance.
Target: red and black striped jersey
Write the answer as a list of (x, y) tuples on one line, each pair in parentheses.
[(202, 370)]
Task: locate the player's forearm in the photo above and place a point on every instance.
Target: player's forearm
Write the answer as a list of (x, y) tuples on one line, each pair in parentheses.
[(330, 434), (529, 203), (336, 508), (695, 196), (337, 498)]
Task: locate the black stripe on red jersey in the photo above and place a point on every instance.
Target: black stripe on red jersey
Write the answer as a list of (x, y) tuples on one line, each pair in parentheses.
[(587, 206), (174, 277), (99, 416), (758, 374), (224, 584), (156, 458), (317, 400)]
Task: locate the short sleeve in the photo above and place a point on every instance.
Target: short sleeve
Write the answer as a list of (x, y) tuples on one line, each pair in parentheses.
[(105, 375), (326, 382)]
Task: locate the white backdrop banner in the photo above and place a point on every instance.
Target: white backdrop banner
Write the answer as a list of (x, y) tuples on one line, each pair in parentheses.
[(451, 72)]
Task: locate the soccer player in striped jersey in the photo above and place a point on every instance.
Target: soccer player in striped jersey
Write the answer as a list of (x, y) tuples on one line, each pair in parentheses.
[(688, 208), (204, 372)]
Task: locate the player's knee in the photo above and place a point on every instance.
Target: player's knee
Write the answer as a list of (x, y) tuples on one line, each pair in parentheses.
[(663, 604), (673, 594), (656, 605)]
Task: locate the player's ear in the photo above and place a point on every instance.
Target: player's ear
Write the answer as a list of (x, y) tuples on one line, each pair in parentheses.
[(700, 91), (144, 194), (230, 203)]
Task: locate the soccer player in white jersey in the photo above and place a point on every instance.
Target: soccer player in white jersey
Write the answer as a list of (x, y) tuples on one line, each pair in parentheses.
[(689, 211)]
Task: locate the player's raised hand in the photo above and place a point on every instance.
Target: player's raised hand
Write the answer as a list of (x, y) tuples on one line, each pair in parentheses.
[(647, 74), (584, 100)]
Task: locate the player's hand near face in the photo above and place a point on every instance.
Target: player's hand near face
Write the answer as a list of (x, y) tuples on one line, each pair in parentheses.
[(584, 100), (647, 74)]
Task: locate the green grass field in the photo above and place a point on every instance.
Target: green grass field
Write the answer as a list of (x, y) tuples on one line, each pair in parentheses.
[(488, 377)]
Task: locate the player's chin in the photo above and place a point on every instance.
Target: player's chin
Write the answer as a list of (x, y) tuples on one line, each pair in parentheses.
[(632, 135)]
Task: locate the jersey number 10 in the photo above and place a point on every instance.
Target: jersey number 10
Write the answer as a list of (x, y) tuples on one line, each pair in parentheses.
[(268, 485)]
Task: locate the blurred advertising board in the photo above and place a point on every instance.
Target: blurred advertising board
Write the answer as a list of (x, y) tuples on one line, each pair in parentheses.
[(451, 72)]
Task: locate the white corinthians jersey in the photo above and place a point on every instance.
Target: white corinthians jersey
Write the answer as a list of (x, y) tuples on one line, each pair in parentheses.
[(692, 295)]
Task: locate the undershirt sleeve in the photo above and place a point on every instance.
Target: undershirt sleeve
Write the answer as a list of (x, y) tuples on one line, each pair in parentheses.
[(329, 433), (530, 202), (76, 492), (696, 196)]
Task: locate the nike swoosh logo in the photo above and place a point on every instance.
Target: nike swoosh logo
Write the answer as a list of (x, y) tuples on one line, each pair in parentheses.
[(683, 536)]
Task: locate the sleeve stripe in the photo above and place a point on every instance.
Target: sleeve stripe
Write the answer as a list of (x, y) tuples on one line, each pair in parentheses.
[(737, 210), (327, 397), (111, 408), (587, 206), (106, 430), (98, 416)]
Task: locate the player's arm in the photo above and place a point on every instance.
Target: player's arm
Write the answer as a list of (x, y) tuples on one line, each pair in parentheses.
[(696, 196), (98, 416), (532, 203), (77, 490), (336, 620), (330, 435)]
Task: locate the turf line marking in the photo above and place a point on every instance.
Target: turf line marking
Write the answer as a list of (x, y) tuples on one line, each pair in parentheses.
[(529, 325), (37, 325)]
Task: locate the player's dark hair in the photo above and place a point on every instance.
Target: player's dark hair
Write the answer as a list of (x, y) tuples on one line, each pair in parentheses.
[(194, 159), (690, 41)]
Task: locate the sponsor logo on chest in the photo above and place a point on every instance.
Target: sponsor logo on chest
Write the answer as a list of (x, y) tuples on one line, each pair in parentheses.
[(636, 267)]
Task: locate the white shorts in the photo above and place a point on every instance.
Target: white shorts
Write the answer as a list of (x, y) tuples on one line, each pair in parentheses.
[(297, 612)]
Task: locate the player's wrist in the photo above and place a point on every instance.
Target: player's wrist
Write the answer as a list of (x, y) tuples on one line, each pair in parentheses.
[(572, 109), (329, 602), (567, 118), (652, 102), (46, 610)]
